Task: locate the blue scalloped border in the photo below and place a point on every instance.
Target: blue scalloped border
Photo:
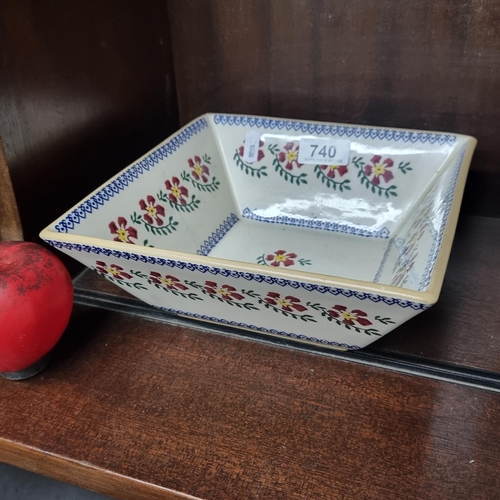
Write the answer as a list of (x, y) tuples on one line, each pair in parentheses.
[(259, 328), (336, 130), (259, 278), (217, 235), (316, 224), (129, 176), (438, 239), (438, 236), (384, 260)]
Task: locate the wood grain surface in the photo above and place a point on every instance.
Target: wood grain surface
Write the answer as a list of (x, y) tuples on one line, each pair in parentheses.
[(138, 409), (10, 223), (86, 87), (432, 65), (460, 330)]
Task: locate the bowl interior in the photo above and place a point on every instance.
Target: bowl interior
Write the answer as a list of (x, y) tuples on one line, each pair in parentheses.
[(378, 218)]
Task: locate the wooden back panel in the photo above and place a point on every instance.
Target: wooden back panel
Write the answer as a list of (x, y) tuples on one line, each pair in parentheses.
[(86, 87), (10, 223)]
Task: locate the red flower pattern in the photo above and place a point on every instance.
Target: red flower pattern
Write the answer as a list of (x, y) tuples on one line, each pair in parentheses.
[(349, 318), (226, 292), (153, 211), (200, 171), (123, 233), (168, 281), (177, 192), (281, 257), (112, 270), (260, 153), (290, 156), (379, 169), (332, 169), (287, 303)]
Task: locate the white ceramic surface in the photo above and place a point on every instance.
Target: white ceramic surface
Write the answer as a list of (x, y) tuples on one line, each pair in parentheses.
[(335, 254)]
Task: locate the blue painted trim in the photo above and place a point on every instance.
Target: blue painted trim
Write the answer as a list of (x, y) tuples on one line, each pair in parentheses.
[(335, 130), (217, 235), (438, 238), (258, 328), (384, 260), (259, 278), (316, 224), (129, 176)]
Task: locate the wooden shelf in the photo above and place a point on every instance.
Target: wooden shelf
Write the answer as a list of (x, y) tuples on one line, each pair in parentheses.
[(157, 407), (459, 333)]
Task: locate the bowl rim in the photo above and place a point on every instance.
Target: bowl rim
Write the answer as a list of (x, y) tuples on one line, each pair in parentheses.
[(426, 297)]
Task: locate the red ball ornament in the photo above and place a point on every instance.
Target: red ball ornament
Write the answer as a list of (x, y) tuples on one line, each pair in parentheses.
[(36, 299)]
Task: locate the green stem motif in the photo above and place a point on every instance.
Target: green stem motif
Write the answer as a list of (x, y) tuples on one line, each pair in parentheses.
[(242, 305), (404, 167), (385, 321), (248, 169), (330, 183), (304, 317), (136, 285), (188, 207), (213, 186), (155, 230), (278, 167), (173, 291), (324, 313), (365, 181)]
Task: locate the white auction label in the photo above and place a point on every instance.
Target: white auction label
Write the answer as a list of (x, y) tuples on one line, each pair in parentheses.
[(251, 149), (324, 151)]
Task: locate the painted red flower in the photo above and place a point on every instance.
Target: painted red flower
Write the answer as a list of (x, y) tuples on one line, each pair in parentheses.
[(290, 156), (153, 211), (349, 318), (330, 170), (168, 281), (200, 171), (123, 233), (281, 257), (112, 270), (177, 192), (260, 153), (226, 292), (379, 169), (287, 303)]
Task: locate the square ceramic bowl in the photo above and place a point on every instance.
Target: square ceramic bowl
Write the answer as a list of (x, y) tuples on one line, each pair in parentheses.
[(222, 222)]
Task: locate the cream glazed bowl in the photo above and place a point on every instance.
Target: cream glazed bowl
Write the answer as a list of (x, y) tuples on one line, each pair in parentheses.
[(325, 233)]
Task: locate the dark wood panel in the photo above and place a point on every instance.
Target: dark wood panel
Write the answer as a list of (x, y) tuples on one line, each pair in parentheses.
[(426, 65), (220, 417), (10, 224), (461, 329), (86, 87)]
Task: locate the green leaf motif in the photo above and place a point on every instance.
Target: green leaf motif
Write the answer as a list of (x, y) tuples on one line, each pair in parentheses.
[(200, 186), (188, 207), (165, 230), (331, 183), (288, 176), (248, 169)]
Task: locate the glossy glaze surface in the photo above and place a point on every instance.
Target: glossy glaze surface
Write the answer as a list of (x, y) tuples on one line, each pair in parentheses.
[(294, 249)]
